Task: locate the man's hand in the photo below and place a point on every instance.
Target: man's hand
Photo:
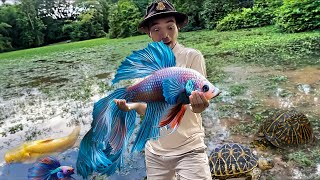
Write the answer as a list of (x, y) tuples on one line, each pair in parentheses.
[(122, 104), (198, 102)]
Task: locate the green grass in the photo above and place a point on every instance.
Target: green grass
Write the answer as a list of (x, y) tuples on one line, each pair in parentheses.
[(65, 47), (208, 42)]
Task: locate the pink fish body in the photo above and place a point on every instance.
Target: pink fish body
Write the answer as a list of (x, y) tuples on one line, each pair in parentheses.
[(151, 88)]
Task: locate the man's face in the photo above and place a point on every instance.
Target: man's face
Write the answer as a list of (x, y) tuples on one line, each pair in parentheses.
[(164, 29)]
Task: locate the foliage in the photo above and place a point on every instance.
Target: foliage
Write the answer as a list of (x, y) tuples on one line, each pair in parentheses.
[(297, 16), (193, 9), (102, 8), (53, 32), (214, 11), (31, 25), (88, 26), (5, 41), (142, 5), (261, 14), (57, 9), (124, 19)]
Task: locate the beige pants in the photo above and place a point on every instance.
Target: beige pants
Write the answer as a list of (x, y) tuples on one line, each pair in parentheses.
[(189, 166)]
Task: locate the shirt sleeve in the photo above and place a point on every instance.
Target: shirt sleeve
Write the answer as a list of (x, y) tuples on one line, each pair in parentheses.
[(198, 64)]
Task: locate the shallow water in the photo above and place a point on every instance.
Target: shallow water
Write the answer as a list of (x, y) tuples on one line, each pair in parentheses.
[(49, 105)]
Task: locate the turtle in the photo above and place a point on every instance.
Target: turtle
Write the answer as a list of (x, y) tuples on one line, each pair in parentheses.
[(233, 160), (286, 128)]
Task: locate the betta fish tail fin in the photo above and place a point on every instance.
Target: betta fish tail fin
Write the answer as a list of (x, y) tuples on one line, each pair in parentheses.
[(116, 155), (149, 128), (106, 114), (110, 132), (90, 157), (146, 61), (42, 168)]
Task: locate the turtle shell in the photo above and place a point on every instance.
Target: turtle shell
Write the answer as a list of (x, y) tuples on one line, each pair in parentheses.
[(232, 160), (288, 128)]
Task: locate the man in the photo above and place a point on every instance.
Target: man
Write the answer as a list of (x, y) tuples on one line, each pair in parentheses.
[(181, 153)]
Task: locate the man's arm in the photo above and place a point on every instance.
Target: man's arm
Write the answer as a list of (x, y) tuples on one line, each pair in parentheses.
[(124, 106)]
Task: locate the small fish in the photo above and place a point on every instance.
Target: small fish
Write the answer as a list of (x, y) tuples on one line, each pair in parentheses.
[(166, 90), (49, 168), (29, 152)]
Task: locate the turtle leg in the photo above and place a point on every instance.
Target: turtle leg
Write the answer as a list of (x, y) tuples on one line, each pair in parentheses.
[(255, 174)]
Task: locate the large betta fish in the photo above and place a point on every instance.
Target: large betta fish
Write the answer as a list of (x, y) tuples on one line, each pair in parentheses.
[(49, 168), (166, 90)]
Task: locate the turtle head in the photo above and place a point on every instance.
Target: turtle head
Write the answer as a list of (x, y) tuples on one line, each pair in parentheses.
[(265, 163)]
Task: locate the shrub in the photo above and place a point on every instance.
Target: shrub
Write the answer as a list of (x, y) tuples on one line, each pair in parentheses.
[(214, 11), (261, 14), (298, 15)]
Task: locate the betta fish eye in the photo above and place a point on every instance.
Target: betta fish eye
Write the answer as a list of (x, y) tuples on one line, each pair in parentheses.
[(205, 88), (68, 171)]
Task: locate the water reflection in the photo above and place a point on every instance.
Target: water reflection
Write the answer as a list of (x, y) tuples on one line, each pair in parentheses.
[(134, 170)]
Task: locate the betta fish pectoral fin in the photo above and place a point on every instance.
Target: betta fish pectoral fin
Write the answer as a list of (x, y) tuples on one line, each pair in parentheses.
[(174, 116)]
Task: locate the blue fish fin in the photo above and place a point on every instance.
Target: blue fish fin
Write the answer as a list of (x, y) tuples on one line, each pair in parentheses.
[(174, 117), (116, 157), (42, 168), (121, 128), (172, 88), (90, 156), (104, 113), (190, 86), (144, 62), (149, 128), (60, 175), (110, 130)]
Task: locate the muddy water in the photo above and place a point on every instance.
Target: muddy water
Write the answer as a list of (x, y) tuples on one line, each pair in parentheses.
[(27, 113), (273, 89)]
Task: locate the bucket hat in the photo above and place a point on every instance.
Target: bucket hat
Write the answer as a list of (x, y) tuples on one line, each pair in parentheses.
[(162, 8)]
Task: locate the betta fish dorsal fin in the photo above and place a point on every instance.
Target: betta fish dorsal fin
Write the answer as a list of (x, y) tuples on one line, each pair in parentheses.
[(45, 141), (145, 62), (174, 116)]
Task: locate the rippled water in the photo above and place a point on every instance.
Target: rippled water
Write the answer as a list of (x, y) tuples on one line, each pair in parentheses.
[(27, 113)]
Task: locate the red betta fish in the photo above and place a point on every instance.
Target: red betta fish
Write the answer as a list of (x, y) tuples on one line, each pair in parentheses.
[(166, 90)]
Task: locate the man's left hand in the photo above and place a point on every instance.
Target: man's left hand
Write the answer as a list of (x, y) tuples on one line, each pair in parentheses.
[(198, 101)]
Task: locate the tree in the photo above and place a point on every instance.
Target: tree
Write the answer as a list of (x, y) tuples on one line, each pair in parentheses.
[(5, 40), (32, 26), (87, 26), (192, 8), (124, 19)]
